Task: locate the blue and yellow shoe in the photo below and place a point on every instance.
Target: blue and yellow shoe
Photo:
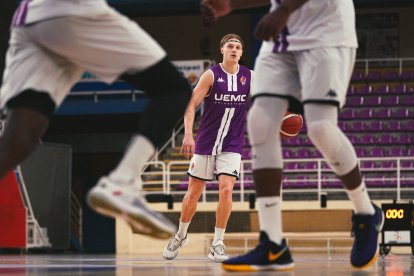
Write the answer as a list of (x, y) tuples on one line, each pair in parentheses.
[(266, 256), (365, 229)]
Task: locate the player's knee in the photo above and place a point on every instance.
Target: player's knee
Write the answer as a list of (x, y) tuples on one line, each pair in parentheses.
[(258, 125), (324, 135), (226, 193), (159, 79)]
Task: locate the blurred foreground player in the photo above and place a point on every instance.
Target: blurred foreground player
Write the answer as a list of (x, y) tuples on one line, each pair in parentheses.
[(53, 42), (307, 58)]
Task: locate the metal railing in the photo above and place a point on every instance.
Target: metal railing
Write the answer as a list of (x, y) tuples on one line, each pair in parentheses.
[(318, 177)]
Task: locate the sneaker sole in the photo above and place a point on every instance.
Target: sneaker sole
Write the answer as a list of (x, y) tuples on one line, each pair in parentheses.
[(139, 224), (172, 258), (252, 268), (211, 257)]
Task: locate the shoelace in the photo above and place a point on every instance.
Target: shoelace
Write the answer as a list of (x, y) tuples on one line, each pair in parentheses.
[(174, 244), (220, 249)]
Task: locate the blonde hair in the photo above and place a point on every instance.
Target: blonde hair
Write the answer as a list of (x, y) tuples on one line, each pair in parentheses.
[(228, 37)]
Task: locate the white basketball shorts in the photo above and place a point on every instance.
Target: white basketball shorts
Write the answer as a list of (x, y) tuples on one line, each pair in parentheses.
[(204, 167), (51, 56), (315, 75)]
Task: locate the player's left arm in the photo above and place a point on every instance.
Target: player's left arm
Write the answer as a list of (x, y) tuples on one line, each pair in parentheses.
[(272, 23)]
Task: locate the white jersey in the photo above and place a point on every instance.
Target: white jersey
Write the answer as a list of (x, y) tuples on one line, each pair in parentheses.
[(318, 23), (31, 11)]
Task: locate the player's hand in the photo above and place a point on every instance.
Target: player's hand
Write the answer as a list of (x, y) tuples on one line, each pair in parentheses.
[(187, 149), (211, 10), (271, 24)]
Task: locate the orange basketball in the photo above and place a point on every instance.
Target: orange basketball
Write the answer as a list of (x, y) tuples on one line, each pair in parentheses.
[(291, 125)]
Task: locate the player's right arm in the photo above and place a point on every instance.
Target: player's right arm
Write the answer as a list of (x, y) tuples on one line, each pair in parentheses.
[(199, 93), (212, 10)]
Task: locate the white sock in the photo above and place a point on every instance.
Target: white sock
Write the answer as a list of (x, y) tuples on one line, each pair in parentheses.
[(270, 217), (139, 151), (218, 234), (182, 229), (361, 201)]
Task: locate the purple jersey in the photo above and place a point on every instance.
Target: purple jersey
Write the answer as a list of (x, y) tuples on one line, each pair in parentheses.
[(225, 108)]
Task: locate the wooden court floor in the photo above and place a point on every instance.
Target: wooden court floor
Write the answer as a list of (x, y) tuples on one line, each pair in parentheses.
[(75, 264)]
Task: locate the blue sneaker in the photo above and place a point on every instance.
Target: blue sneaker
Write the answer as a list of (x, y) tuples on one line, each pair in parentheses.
[(266, 256), (365, 229)]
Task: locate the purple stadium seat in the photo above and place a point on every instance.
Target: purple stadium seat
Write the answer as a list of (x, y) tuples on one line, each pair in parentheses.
[(351, 90), (396, 151), (291, 166), (366, 139), (409, 125), (311, 165), (347, 114), (407, 75), (306, 141), (352, 138), (373, 76), (375, 126), (376, 152), (360, 152), (407, 181), (390, 75), (407, 164), (315, 154), (400, 113), (405, 139), (357, 76), (287, 153), (302, 153), (246, 154), (387, 164), (364, 89), (355, 101), (381, 89), (357, 126), (343, 125), (365, 113), (390, 100), (382, 113), (367, 164), (407, 100), (410, 151), (372, 101), (392, 126), (399, 89), (385, 139)]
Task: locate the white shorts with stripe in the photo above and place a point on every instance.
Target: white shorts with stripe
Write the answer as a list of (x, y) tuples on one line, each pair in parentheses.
[(204, 167), (315, 75), (51, 56)]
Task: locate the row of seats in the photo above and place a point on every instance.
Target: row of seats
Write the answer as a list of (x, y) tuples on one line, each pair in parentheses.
[(365, 89), (377, 75), (361, 151), (309, 182), (376, 113), (358, 101)]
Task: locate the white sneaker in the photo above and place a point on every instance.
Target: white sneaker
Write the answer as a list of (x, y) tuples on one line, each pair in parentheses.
[(171, 250), (121, 199), (218, 252)]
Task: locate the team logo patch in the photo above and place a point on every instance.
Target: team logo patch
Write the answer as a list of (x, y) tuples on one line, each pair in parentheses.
[(243, 80), (220, 80), (236, 172)]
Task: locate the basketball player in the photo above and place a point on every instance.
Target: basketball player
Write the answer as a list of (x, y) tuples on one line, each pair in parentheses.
[(306, 58), (53, 42), (224, 89)]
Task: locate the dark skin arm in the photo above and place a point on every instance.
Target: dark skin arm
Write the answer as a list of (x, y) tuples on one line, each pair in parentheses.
[(268, 27)]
